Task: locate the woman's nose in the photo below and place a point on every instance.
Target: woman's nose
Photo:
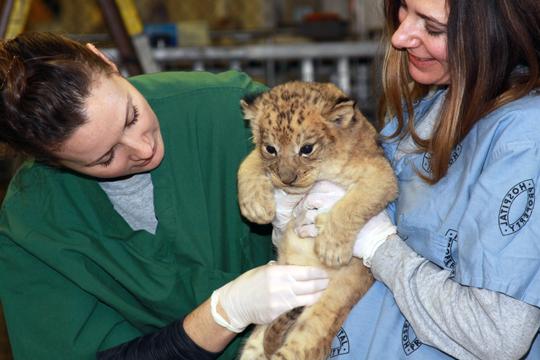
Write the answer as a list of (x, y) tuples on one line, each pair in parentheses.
[(407, 35), (141, 147)]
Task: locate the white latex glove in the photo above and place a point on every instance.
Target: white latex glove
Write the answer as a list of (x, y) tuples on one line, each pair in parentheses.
[(285, 204), (372, 235), (322, 196), (320, 199), (262, 294)]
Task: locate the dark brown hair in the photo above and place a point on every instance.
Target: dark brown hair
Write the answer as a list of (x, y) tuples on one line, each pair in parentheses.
[(45, 80), (487, 41)]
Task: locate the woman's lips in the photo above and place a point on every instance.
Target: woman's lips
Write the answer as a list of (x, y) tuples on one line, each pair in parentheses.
[(419, 61)]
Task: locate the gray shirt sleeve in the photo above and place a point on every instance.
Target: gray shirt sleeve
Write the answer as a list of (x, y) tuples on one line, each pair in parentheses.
[(462, 321)]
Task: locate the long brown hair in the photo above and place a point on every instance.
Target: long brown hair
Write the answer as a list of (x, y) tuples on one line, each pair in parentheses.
[(487, 41), (44, 82)]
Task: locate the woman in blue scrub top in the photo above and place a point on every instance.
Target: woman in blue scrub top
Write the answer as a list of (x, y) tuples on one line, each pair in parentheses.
[(457, 255)]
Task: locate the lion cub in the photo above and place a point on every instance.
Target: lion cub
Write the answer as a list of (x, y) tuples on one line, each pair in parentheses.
[(303, 133)]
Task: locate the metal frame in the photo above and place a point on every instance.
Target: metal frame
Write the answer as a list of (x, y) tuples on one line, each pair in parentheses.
[(305, 53), (117, 28)]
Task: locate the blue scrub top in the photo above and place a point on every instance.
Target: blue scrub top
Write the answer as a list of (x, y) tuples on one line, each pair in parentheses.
[(479, 222)]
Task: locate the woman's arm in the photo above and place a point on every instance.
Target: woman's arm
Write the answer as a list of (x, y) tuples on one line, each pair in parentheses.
[(197, 336), (256, 297), (199, 324), (462, 321)]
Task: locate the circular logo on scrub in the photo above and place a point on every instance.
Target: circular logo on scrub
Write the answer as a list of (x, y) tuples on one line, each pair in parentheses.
[(522, 195), (449, 261), (426, 161), (340, 344), (454, 155), (409, 341)]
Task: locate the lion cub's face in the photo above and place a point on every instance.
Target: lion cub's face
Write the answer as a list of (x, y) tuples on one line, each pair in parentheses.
[(297, 127)]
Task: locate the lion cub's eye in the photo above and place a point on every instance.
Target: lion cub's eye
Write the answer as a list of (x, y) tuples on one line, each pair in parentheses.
[(271, 150), (306, 149)]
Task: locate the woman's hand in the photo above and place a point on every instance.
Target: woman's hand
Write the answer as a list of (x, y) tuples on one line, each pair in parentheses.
[(285, 203), (372, 235), (303, 209), (262, 294), (320, 199)]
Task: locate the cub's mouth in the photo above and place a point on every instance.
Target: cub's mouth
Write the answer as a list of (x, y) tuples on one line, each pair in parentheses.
[(296, 190)]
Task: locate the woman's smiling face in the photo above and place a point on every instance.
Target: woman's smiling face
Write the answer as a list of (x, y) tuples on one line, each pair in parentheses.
[(423, 34), (121, 135)]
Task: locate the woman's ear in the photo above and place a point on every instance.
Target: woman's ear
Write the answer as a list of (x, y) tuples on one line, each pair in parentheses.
[(102, 56)]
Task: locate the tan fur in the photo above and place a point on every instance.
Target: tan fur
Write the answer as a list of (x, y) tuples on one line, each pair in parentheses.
[(275, 333), (344, 151)]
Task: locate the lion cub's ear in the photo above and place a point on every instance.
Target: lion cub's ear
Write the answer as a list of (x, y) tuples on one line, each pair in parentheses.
[(249, 105), (342, 114), (249, 108)]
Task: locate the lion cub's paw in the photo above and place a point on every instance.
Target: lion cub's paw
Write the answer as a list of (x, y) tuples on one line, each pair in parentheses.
[(330, 253), (258, 205), (332, 245)]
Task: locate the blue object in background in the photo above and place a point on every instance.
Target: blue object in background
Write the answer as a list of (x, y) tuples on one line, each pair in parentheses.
[(162, 34)]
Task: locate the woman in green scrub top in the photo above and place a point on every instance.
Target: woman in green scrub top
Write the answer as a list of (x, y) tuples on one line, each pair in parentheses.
[(115, 235)]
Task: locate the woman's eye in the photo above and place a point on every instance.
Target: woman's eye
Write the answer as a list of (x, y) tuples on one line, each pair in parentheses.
[(306, 149), (271, 150), (135, 116), (435, 33), (108, 161)]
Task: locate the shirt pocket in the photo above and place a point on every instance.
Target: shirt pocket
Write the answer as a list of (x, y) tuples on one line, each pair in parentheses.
[(429, 243), (427, 221)]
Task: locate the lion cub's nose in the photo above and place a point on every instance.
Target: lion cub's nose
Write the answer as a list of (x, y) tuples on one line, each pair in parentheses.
[(290, 179)]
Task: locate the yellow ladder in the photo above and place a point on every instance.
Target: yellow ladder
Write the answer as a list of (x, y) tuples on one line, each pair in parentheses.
[(123, 22)]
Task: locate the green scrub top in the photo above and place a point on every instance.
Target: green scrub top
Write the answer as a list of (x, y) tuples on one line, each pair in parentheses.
[(76, 279)]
